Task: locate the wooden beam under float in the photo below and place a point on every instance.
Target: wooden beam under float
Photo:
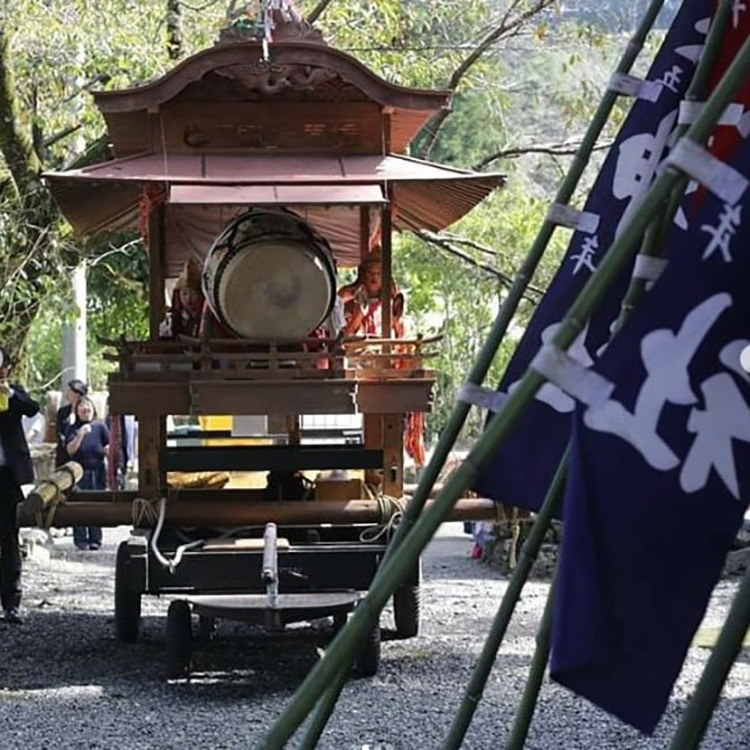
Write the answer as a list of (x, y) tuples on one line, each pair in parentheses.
[(216, 512)]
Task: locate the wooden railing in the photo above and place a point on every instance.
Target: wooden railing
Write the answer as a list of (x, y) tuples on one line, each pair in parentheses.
[(310, 358)]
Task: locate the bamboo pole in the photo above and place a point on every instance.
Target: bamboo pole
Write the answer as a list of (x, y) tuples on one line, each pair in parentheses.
[(529, 553), (515, 295), (530, 697), (53, 489), (701, 706), (325, 709), (397, 565)]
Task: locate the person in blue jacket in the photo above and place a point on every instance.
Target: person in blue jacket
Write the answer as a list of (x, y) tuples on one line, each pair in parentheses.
[(87, 441)]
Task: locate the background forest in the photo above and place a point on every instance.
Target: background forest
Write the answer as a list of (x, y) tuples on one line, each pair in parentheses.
[(526, 74)]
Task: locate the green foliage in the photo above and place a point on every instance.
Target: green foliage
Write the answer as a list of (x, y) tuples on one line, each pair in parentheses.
[(538, 85)]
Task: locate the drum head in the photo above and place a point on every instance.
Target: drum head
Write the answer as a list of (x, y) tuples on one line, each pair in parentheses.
[(275, 290)]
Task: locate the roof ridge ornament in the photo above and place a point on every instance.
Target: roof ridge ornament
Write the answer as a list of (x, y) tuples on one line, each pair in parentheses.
[(268, 21)]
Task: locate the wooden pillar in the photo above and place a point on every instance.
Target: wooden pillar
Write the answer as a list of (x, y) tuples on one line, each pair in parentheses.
[(156, 250), (386, 271), (393, 454), (373, 424), (373, 429), (151, 440), (364, 232)]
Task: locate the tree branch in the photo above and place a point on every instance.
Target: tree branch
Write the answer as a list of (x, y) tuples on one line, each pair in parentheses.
[(174, 29), (318, 11), (567, 148), (448, 246), (509, 25), (470, 243)]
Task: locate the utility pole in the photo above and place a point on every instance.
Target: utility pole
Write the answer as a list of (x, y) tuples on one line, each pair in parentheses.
[(74, 357)]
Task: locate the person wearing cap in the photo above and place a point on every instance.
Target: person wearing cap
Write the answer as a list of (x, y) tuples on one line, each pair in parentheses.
[(65, 417), (15, 469)]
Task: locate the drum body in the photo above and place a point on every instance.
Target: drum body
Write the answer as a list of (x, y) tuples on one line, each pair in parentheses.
[(270, 277)]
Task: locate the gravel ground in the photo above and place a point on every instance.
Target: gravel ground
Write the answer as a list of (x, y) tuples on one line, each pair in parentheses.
[(65, 682)]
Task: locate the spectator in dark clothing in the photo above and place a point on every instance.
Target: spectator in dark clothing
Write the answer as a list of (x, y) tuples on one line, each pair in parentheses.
[(66, 417), (15, 469), (87, 441)]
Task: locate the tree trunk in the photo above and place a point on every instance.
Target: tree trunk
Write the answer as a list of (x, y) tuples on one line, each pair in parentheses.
[(25, 256)]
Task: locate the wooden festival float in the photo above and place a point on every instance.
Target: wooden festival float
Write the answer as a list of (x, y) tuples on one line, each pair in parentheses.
[(291, 155)]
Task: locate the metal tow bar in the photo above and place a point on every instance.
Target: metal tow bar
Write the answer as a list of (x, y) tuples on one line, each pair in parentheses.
[(270, 577)]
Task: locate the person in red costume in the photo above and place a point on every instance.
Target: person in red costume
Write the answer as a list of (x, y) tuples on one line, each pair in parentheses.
[(363, 305), (363, 312)]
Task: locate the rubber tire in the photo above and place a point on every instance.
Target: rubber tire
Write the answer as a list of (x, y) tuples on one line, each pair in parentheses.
[(368, 659), (407, 607), (179, 640), (127, 601)]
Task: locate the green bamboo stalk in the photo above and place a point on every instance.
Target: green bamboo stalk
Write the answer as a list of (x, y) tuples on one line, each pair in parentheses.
[(326, 706), (536, 675), (701, 707), (505, 315), (529, 553), (397, 566)]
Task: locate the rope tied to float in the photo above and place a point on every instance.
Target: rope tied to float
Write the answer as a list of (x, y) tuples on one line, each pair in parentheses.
[(390, 511), (144, 513), (44, 519)]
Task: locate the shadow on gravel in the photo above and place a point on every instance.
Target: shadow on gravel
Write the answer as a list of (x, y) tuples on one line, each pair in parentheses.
[(54, 651)]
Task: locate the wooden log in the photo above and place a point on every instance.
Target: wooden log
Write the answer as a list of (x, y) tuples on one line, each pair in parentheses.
[(237, 513), (205, 494), (54, 488)]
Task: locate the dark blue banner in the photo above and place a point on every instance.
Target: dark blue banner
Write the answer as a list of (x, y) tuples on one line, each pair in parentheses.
[(521, 471), (659, 476)]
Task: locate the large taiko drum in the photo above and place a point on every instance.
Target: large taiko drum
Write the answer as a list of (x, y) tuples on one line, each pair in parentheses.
[(270, 277)]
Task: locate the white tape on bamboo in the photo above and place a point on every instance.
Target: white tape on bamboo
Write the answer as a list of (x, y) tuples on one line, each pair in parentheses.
[(485, 398), (571, 377), (720, 178), (634, 87)]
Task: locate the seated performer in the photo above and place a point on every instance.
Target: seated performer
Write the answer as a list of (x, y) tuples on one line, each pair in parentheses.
[(188, 301), (363, 310), (362, 302)]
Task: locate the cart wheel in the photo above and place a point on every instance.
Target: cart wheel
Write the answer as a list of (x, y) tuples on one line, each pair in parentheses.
[(206, 628), (127, 601), (406, 608), (179, 637), (368, 659)]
